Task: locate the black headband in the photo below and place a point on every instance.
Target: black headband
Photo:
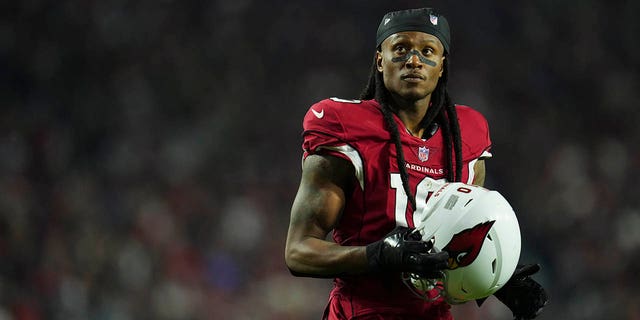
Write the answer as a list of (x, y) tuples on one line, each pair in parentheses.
[(424, 20)]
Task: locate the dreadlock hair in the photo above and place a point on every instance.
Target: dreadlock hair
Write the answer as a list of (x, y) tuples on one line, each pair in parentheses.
[(441, 111)]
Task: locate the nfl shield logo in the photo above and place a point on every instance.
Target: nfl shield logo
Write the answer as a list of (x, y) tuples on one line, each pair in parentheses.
[(423, 154), (433, 19)]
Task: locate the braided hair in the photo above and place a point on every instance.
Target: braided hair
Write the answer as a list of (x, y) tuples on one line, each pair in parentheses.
[(441, 112)]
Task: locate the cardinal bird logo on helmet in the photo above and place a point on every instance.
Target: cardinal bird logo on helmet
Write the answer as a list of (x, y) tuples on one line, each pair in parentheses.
[(465, 246)]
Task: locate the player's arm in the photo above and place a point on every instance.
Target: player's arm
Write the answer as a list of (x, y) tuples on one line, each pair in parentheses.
[(480, 172), (316, 210)]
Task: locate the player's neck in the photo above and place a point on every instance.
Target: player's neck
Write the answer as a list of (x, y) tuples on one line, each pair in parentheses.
[(411, 114)]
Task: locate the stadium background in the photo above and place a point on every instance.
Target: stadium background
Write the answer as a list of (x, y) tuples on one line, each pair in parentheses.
[(150, 150)]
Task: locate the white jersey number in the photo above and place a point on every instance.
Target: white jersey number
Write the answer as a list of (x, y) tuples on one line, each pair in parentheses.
[(423, 191)]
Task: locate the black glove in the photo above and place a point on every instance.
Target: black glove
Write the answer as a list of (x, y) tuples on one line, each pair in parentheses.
[(403, 250), (523, 295)]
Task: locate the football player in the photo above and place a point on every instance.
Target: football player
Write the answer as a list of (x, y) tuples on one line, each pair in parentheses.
[(369, 164)]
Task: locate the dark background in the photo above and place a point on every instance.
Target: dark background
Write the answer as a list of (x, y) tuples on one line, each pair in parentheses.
[(150, 150)]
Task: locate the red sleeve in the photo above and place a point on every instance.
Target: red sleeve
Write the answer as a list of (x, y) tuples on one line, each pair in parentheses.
[(474, 129), (323, 129)]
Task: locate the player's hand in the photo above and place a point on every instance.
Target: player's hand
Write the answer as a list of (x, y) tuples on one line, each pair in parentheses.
[(403, 250), (523, 295)]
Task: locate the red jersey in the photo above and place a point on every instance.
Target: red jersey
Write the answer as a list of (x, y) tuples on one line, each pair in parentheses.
[(356, 131)]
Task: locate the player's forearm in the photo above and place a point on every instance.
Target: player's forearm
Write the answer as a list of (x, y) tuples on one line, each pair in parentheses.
[(315, 257)]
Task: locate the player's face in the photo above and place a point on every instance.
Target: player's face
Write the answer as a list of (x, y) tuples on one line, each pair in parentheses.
[(411, 63)]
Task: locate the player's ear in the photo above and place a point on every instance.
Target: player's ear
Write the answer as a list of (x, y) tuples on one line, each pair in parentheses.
[(379, 61), (441, 66)]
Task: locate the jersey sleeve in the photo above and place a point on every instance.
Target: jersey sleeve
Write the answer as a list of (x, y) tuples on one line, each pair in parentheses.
[(474, 128), (323, 130)]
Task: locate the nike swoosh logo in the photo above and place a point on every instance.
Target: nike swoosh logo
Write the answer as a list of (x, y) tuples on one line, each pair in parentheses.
[(318, 115)]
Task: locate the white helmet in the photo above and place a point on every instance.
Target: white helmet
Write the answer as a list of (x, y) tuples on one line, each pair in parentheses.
[(479, 230)]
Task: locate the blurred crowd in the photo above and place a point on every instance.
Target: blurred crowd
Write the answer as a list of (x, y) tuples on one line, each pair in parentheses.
[(150, 150)]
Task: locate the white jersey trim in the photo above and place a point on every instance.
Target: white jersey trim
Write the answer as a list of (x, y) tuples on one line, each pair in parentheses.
[(472, 173), (355, 158), (472, 163)]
